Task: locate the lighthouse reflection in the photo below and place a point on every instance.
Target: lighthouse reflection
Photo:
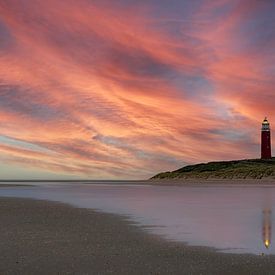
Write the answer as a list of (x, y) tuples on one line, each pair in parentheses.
[(267, 227)]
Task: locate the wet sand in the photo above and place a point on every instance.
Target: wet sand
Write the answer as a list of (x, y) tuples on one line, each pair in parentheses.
[(41, 237)]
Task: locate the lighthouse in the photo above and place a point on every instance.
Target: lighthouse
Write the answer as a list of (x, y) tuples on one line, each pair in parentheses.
[(266, 140)]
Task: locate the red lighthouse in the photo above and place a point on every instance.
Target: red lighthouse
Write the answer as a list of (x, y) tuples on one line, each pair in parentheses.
[(266, 140)]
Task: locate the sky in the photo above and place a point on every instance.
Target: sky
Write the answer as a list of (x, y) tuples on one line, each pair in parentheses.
[(103, 89)]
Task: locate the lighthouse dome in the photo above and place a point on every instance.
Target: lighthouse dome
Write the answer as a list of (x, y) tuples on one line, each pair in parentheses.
[(265, 121)]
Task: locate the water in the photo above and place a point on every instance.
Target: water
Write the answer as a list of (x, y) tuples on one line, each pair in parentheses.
[(235, 219)]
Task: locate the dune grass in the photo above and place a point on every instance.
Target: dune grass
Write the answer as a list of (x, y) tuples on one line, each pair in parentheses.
[(235, 169)]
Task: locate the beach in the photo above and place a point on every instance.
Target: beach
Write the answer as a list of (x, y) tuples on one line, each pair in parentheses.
[(42, 237)]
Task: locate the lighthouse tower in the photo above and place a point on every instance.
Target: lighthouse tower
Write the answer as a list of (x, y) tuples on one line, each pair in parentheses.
[(266, 140)]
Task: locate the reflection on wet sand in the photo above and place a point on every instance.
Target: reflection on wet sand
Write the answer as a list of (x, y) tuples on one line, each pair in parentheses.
[(267, 224)]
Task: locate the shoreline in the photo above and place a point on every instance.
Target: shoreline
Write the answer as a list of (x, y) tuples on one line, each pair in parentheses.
[(15, 185), (158, 182), (212, 182), (43, 237)]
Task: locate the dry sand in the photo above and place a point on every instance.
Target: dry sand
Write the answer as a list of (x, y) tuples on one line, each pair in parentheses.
[(41, 237)]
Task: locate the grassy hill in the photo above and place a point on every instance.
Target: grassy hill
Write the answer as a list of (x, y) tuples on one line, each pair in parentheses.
[(235, 169)]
